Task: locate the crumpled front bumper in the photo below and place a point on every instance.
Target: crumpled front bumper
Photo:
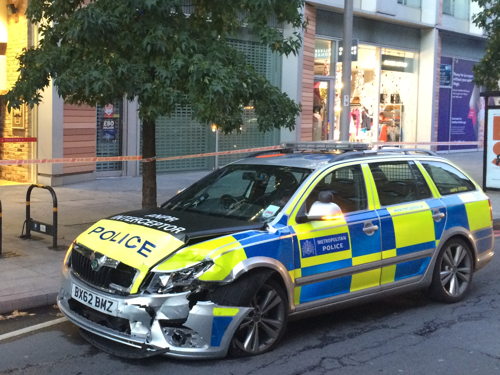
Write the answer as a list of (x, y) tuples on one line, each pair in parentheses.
[(159, 324)]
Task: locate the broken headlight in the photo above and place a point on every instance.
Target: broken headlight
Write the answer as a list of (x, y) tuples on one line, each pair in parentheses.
[(177, 281)]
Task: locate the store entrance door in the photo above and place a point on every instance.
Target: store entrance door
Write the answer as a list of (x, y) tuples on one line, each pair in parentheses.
[(322, 109)]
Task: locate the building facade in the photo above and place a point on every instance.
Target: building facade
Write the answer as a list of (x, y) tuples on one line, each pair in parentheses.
[(411, 81)]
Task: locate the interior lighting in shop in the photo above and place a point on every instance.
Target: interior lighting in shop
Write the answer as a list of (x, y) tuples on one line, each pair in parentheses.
[(395, 63)]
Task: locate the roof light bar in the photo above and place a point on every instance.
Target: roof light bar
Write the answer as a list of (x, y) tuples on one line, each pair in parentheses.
[(326, 146)]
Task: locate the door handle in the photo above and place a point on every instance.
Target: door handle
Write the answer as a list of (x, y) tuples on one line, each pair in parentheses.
[(437, 216), (369, 228)]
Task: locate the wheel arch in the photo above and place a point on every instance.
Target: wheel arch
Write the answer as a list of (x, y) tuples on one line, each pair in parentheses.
[(463, 234), (280, 274)]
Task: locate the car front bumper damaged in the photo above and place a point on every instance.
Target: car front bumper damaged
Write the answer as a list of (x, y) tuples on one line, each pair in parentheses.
[(154, 324)]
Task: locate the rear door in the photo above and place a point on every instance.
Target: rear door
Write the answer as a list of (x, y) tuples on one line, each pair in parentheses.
[(411, 220), (340, 256)]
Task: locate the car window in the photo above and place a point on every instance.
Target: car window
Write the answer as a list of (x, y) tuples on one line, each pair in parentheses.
[(399, 182), (448, 179), (348, 188), (245, 192)]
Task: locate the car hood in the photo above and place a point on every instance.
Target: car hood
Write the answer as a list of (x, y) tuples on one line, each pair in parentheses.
[(143, 238)]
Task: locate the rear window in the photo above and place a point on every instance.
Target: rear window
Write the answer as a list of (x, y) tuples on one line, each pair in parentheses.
[(399, 182), (448, 179)]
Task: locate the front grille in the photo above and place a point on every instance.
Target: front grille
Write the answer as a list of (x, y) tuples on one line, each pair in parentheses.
[(122, 276)]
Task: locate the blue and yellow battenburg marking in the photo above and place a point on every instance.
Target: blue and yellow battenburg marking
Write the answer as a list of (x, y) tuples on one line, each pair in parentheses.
[(222, 318), (311, 249)]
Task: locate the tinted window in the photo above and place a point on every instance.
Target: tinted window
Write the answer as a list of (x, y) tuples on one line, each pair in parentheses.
[(348, 188), (399, 182), (448, 179)]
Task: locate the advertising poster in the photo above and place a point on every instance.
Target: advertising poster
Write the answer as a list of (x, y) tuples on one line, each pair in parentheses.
[(493, 150), (458, 103), (462, 127), (109, 123), (445, 76)]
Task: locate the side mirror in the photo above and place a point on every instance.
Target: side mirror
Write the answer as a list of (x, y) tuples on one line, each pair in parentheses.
[(321, 211)]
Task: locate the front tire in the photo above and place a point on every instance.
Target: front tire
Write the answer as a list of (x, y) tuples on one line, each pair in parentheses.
[(265, 325), (452, 274)]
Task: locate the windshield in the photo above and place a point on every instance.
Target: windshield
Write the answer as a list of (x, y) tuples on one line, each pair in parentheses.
[(254, 193)]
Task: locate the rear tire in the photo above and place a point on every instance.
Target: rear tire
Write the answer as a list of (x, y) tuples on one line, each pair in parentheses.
[(265, 325), (452, 275)]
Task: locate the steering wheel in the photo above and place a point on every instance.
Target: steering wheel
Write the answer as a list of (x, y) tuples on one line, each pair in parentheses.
[(228, 200)]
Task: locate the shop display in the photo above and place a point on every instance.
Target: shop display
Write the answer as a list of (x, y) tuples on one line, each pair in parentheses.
[(382, 82)]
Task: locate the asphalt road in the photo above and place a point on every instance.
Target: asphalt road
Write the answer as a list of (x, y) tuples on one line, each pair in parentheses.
[(400, 335)]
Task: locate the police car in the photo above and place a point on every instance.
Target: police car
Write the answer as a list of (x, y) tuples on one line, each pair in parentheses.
[(223, 265)]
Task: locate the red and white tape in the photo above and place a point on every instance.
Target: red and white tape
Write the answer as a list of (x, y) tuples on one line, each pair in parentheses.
[(201, 155), (17, 140), (133, 158), (471, 143)]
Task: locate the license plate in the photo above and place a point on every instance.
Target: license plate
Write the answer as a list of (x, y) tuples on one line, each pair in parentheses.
[(96, 301)]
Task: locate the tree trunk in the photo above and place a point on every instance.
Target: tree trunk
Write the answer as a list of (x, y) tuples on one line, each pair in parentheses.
[(149, 167)]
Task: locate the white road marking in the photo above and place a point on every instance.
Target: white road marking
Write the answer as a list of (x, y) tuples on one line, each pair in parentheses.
[(36, 327)]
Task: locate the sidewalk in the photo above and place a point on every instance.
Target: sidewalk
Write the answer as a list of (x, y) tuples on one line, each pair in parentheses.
[(30, 271)]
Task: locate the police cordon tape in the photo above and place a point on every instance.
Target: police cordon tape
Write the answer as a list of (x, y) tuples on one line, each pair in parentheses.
[(139, 158)]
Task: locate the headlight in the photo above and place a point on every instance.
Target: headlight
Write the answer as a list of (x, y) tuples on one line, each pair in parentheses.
[(179, 281)]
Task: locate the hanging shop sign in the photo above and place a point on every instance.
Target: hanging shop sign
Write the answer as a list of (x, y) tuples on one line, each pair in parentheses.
[(397, 63), (491, 159), (354, 50), (19, 117)]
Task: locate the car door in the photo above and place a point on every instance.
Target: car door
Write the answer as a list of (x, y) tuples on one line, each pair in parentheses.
[(411, 220), (337, 256)]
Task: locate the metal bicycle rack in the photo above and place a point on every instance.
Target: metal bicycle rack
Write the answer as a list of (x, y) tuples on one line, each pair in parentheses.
[(31, 225)]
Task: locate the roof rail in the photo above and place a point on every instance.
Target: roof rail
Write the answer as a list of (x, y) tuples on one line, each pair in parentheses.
[(326, 146), (406, 151)]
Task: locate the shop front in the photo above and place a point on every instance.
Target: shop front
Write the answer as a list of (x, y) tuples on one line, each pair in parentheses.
[(383, 92), (384, 80)]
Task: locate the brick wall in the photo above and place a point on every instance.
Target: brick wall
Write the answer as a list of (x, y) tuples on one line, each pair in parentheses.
[(306, 118), (79, 137), (17, 40)]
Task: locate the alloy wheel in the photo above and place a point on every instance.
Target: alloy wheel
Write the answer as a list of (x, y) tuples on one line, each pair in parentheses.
[(264, 325), (456, 269)]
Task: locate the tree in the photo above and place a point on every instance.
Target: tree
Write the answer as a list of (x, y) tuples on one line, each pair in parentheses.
[(487, 71), (164, 53)]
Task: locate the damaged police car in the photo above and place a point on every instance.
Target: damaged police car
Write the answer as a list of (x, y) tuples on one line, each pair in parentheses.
[(221, 266)]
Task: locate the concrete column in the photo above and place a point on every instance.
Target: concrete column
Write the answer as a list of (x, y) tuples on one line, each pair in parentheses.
[(132, 136), (368, 5), (428, 85), (50, 136), (474, 9), (290, 78), (430, 11)]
